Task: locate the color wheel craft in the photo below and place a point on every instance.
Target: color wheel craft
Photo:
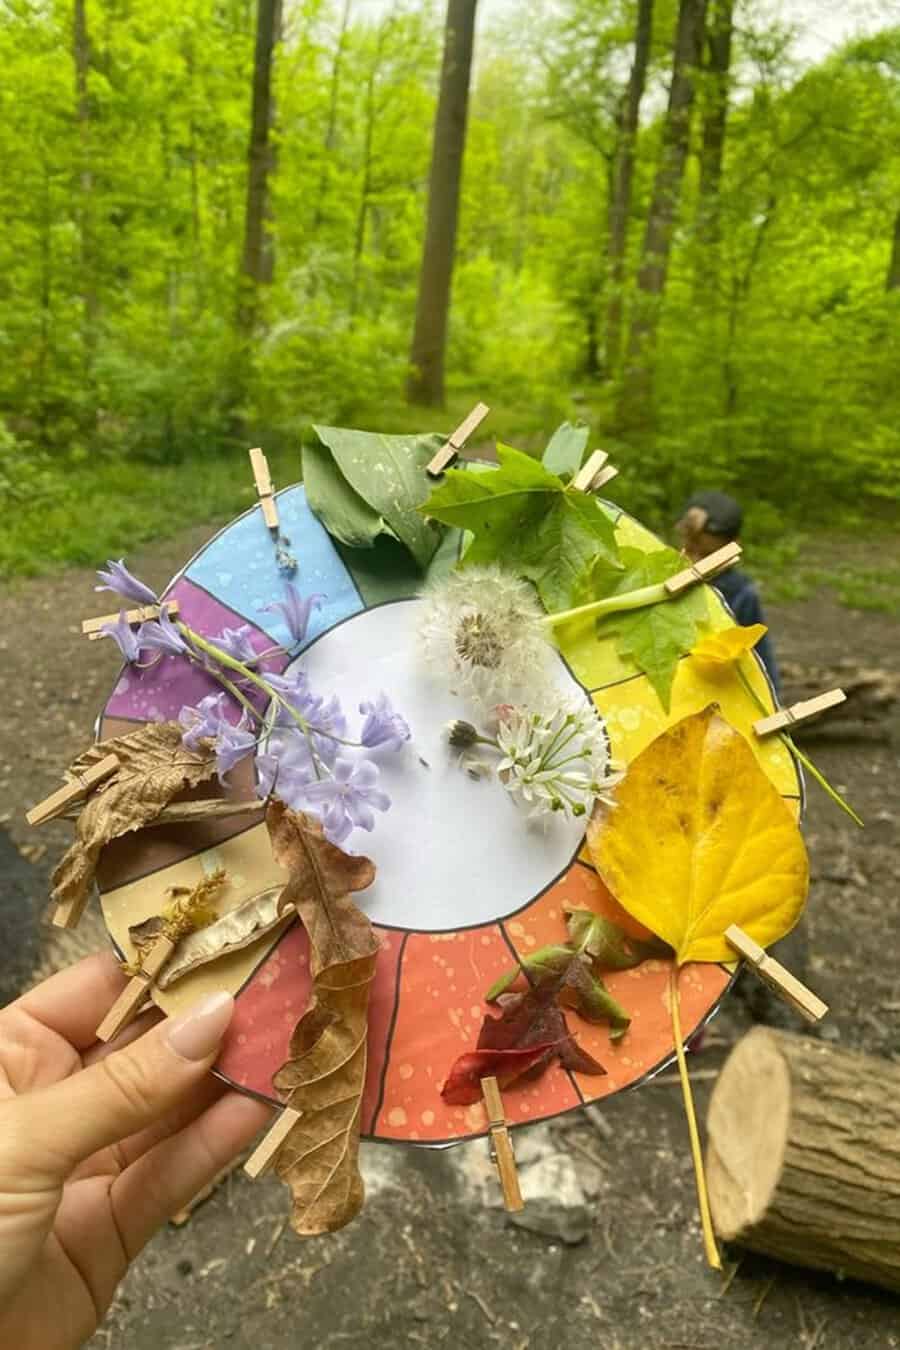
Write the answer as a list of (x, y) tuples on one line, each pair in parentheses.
[(379, 756)]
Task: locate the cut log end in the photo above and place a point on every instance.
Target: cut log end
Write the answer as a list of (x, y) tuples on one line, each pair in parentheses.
[(803, 1162), (749, 1117)]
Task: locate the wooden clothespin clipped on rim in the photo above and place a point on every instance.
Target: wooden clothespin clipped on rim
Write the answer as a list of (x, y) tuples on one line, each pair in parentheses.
[(457, 439), (91, 627), (798, 712), (502, 1154), (594, 472), (263, 1156), (59, 802), (704, 569), (137, 990), (263, 479), (803, 1000)]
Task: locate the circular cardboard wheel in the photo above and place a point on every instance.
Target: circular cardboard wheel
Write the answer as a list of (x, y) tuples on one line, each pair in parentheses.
[(463, 888)]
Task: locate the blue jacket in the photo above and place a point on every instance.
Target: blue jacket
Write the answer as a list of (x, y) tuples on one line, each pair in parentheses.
[(742, 598)]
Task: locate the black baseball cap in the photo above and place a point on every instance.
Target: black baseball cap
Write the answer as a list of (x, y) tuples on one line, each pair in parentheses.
[(723, 514)]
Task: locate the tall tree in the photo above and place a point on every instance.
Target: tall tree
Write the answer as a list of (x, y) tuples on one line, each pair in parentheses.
[(425, 383), (719, 27), (258, 257), (622, 175), (636, 403), (81, 52), (892, 280)]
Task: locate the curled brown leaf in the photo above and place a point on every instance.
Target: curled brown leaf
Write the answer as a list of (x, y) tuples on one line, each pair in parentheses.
[(154, 767), (325, 1073)]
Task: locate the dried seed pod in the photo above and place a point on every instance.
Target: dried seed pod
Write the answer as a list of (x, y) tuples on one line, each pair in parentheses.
[(233, 931)]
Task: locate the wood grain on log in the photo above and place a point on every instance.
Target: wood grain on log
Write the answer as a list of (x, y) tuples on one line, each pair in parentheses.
[(804, 1155)]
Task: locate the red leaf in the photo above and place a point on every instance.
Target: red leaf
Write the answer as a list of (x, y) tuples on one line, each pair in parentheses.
[(463, 1086)]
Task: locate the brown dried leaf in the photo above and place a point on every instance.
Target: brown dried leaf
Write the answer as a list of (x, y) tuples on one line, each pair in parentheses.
[(154, 767), (325, 1073)]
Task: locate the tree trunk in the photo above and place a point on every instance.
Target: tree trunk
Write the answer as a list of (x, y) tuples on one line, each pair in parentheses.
[(636, 405), (892, 281), (715, 118), (258, 259), (426, 379), (802, 1161), (81, 52), (622, 177), (330, 139)]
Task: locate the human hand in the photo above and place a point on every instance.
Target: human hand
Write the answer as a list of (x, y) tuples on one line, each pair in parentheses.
[(99, 1146)]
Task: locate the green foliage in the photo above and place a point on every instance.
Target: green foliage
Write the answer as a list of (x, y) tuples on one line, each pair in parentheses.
[(655, 637), (779, 337), (530, 521)]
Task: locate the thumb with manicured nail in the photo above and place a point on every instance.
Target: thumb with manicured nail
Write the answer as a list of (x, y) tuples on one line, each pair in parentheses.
[(122, 1093), (91, 1165)]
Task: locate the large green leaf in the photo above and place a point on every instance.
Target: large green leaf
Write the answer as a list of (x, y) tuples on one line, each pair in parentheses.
[(527, 519), (566, 448), (343, 511), (656, 636), (374, 485)]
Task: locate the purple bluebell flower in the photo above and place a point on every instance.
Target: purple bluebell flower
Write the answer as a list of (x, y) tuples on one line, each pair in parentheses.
[(236, 642), (326, 720), (124, 636), (120, 580), (161, 635), (347, 798), (383, 726), (295, 609), (231, 745), (286, 768), (203, 721)]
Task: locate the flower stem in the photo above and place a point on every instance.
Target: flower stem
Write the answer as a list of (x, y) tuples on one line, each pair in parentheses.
[(798, 754), (822, 780), (709, 1237), (611, 604)]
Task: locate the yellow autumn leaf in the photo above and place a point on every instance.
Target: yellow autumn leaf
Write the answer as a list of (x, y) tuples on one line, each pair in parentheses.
[(700, 839), (719, 650)]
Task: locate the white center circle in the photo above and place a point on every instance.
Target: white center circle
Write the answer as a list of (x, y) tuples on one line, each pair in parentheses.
[(451, 852)]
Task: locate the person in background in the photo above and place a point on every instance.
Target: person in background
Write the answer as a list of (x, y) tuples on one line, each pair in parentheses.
[(709, 520)]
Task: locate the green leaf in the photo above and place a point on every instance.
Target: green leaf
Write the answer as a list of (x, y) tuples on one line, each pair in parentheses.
[(527, 519), (590, 997), (386, 474), (608, 945), (539, 965), (342, 511), (655, 637), (566, 448)]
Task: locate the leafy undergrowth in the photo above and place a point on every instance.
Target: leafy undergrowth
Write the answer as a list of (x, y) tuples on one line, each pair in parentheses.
[(83, 512)]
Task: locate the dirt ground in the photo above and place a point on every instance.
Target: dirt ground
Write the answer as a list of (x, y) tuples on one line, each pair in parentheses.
[(422, 1266)]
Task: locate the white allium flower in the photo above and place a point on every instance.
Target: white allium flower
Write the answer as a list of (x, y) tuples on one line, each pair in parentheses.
[(556, 761), (485, 628)]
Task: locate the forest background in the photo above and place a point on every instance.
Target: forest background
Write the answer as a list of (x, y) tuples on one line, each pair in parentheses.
[(672, 224)]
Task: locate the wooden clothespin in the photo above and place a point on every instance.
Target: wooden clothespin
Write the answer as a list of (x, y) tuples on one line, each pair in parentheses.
[(58, 802), (136, 991), (92, 627), (263, 1156), (502, 1154), (457, 440), (798, 712), (285, 561), (263, 481), (593, 475), (806, 1003), (704, 569)]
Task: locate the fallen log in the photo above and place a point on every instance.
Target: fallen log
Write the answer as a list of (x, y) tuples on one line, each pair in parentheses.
[(870, 709), (804, 1155)]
